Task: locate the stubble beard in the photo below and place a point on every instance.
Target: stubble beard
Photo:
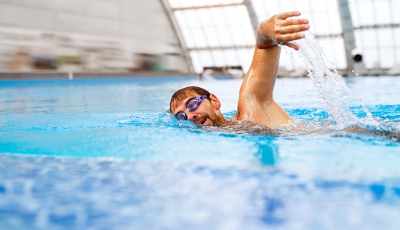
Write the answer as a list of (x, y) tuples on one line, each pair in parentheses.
[(214, 119), (218, 119)]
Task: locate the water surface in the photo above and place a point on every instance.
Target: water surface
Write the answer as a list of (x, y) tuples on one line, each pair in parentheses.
[(106, 155)]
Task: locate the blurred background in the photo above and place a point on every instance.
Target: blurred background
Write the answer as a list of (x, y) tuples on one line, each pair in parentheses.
[(172, 37)]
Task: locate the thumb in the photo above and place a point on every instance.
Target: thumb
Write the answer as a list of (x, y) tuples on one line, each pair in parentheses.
[(292, 45)]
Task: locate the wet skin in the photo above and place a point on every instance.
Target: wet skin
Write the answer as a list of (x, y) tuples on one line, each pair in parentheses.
[(256, 102), (207, 113)]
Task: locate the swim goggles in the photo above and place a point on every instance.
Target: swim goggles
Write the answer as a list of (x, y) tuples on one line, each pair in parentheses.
[(191, 106)]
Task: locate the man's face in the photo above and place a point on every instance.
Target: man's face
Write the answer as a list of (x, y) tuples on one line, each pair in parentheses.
[(207, 113)]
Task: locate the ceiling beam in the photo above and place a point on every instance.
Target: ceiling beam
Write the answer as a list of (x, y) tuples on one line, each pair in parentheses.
[(206, 6), (391, 25), (178, 33), (252, 14), (222, 47), (348, 31)]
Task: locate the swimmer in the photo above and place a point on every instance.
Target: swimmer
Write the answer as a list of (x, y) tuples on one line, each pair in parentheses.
[(256, 103)]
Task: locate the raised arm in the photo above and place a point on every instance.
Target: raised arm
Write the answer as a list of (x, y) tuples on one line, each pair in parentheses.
[(256, 101)]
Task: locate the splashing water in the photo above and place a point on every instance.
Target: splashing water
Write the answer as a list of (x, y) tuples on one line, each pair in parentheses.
[(331, 87)]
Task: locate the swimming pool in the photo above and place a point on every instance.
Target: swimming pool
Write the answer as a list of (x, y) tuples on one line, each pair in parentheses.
[(105, 154)]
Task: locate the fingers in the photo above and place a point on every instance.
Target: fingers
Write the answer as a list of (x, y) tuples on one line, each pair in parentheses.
[(292, 29), (289, 29), (289, 22), (290, 37), (288, 14)]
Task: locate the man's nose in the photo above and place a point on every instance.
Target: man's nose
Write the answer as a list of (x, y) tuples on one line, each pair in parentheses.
[(191, 116)]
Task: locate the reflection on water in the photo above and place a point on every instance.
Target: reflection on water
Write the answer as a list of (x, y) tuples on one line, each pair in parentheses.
[(267, 152)]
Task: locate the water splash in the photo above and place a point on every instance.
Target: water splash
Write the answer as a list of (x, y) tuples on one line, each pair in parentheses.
[(332, 90)]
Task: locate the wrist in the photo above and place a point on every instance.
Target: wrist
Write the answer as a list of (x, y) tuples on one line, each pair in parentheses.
[(264, 42), (263, 38)]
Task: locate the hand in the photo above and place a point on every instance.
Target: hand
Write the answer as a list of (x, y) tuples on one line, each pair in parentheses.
[(281, 29)]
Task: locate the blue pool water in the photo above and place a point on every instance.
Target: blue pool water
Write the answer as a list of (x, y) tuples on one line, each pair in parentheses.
[(105, 154)]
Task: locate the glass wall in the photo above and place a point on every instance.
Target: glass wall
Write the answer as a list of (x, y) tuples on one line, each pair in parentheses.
[(325, 24), (219, 33), (377, 31)]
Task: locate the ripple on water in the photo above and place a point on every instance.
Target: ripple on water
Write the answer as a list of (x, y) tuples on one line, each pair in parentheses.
[(68, 193)]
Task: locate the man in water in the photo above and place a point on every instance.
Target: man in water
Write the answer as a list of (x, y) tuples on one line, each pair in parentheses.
[(256, 103)]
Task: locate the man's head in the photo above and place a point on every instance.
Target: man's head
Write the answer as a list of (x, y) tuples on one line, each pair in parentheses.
[(207, 113)]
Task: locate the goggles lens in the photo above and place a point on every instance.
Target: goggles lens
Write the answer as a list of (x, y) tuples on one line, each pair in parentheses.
[(181, 116), (191, 106)]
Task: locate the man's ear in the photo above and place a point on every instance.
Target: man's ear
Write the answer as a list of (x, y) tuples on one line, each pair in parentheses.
[(215, 101)]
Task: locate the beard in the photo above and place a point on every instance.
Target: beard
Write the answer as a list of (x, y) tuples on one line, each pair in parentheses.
[(215, 120), (202, 119)]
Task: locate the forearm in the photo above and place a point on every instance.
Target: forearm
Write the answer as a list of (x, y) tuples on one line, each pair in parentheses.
[(281, 28), (260, 78), (256, 102)]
